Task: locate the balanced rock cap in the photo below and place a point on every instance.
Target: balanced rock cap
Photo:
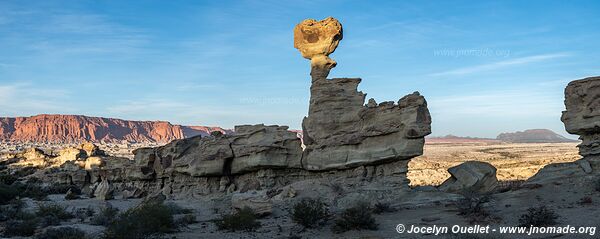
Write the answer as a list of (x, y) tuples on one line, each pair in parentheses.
[(317, 39)]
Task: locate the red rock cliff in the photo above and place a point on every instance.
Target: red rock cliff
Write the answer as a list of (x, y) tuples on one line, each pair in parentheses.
[(74, 128)]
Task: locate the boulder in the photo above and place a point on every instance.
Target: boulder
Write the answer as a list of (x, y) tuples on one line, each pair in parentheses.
[(471, 176), (32, 157), (258, 202), (91, 149), (68, 154), (317, 39), (104, 190)]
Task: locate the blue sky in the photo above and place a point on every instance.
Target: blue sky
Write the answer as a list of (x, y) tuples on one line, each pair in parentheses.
[(484, 68)]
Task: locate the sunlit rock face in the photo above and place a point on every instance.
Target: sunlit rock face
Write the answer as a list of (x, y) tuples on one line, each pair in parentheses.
[(317, 39), (582, 114)]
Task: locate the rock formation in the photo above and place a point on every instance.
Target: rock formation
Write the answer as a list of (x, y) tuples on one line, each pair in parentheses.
[(343, 137), (340, 131), (78, 128), (472, 176), (317, 39), (582, 115), (250, 148)]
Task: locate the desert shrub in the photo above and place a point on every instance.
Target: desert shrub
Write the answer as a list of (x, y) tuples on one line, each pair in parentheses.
[(381, 207), (24, 228), (310, 212), (148, 219), (84, 213), (30, 190), (7, 193), (51, 214), (53, 210), (25, 171), (61, 233), (14, 210), (337, 188), (185, 220), (176, 209), (471, 206), (106, 216), (18, 189), (243, 220), (34, 180), (539, 217), (357, 217), (585, 200), (7, 178)]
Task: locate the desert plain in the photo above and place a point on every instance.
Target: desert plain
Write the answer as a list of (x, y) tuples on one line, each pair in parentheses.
[(513, 161)]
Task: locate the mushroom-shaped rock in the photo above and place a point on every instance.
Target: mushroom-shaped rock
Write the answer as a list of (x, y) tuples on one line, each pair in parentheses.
[(472, 176), (582, 115), (317, 39)]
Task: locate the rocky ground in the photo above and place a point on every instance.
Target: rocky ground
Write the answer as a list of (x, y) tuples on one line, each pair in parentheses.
[(576, 204)]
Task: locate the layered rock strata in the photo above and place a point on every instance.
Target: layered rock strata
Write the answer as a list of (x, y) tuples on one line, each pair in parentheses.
[(340, 131), (250, 148), (78, 128)]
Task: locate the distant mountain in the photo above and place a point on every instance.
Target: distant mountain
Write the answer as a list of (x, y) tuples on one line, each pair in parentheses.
[(458, 139), (77, 128), (534, 136)]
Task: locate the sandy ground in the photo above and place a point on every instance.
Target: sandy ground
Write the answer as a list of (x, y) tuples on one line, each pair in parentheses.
[(513, 161)]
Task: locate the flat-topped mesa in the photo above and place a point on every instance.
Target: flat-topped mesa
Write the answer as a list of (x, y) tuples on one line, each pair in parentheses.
[(341, 131), (582, 114), (317, 39)]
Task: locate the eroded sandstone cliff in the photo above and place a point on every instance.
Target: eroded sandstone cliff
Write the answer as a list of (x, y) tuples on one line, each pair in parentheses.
[(78, 128)]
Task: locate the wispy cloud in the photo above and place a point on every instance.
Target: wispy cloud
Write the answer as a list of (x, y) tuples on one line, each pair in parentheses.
[(157, 108), (504, 104), (501, 64), (60, 35), (27, 99), (6, 65)]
